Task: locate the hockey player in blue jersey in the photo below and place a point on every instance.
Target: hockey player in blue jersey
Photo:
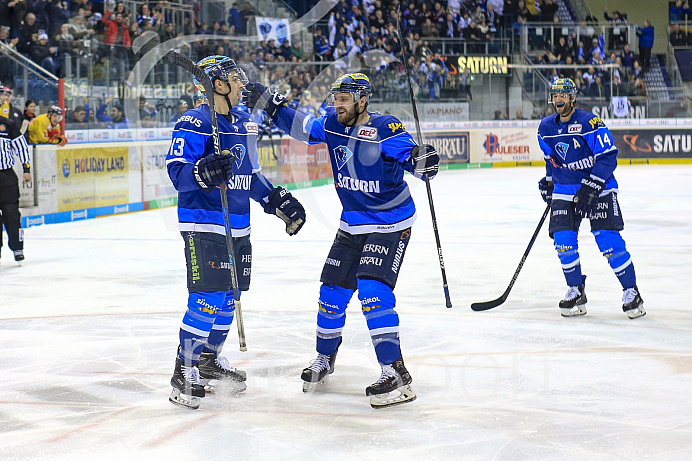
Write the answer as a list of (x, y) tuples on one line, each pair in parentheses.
[(579, 183), (197, 173), (369, 153)]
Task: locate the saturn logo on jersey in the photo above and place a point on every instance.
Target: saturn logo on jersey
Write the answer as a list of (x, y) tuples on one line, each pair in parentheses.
[(342, 154), (561, 148)]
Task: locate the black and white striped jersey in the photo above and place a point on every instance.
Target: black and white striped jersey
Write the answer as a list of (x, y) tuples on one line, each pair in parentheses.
[(12, 144)]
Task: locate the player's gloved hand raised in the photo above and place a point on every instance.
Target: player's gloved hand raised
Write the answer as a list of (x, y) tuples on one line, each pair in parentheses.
[(281, 203), (586, 198), (260, 97), (425, 161), (213, 170), (546, 188)]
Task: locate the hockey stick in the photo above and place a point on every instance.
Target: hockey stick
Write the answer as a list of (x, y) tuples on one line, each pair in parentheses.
[(496, 302), (420, 143), (201, 76)]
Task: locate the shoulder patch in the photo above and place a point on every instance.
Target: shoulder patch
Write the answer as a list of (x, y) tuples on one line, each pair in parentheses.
[(574, 128), (396, 127), (596, 121)]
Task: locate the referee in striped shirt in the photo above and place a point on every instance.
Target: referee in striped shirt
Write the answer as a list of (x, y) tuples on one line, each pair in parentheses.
[(12, 144)]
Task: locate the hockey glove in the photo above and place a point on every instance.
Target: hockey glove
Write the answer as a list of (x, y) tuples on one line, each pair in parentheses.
[(425, 161), (586, 198), (258, 96), (281, 203), (213, 170), (546, 188)]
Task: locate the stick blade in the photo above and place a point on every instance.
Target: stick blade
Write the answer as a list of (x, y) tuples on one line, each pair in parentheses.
[(478, 307)]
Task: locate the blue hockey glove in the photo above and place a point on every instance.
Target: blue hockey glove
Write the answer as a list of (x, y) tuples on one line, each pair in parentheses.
[(586, 198), (425, 161), (260, 97), (213, 170), (281, 203), (546, 188)]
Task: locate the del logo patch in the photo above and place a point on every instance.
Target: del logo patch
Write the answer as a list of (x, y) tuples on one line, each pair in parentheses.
[(342, 154), (367, 133), (574, 129), (251, 127)]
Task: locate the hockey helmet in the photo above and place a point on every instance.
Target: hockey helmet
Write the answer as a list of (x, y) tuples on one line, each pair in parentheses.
[(562, 86), (221, 67), (358, 84), (54, 110)]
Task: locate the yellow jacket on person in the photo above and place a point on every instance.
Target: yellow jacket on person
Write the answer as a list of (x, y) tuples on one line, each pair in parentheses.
[(42, 132)]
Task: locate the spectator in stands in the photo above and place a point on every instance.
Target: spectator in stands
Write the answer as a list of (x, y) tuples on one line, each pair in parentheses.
[(628, 57), (147, 113), (8, 110), (245, 16), (429, 30), (562, 50), (519, 115), (598, 90), (679, 11), (646, 42), (465, 80), (568, 72), (321, 45), (548, 10), (42, 53), (78, 118), (636, 87), (117, 118), (145, 14), (116, 32), (28, 33), (234, 18), (678, 37), (617, 18), (181, 109), (618, 89)]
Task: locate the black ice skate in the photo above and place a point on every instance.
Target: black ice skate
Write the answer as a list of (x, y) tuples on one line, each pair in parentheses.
[(319, 370), (19, 256), (212, 366), (632, 303), (574, 303), (186, 386), (393, 386)]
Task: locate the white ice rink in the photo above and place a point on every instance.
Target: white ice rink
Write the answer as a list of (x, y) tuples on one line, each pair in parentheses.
[(89, 328)]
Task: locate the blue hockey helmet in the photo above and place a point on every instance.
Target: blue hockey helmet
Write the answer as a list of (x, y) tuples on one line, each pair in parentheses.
[(563, 86), (358, 84), (221, 67)]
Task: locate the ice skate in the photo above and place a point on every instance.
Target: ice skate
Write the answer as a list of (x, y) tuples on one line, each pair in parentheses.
[(632, 303), (393, 387), (216, 367), (19, 256), (574, 303), (186, 386), (317, 373)]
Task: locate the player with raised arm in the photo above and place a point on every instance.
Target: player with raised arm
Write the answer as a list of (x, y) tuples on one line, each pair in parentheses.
[(579, 182), (369, 153), (197, 173)]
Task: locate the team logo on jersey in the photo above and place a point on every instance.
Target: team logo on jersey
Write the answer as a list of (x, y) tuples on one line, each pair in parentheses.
[(367, 133), (238, 151), (251, 127), (2, 127), (561, 148), (342, 154), (574, 128)]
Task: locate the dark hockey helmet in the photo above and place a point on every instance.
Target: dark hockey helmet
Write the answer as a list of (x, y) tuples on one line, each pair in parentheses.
[(54, 110), (221, 67), (563, 86), (358, 84)]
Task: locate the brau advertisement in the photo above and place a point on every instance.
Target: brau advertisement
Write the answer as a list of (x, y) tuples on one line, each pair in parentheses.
[(90, 178)]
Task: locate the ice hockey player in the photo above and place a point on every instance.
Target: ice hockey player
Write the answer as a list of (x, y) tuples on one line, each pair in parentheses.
[(579, 183), (369, 153), (197, 173)]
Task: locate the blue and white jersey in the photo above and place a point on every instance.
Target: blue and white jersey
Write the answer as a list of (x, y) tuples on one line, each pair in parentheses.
[(200, 211), (368, 163), (581, 148)]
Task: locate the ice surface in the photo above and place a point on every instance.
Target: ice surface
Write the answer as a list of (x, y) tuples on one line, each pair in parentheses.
[(89, 327)]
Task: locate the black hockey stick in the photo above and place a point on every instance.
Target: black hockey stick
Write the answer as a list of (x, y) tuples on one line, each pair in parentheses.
[(427, 180), (201, 76), (496, 302)]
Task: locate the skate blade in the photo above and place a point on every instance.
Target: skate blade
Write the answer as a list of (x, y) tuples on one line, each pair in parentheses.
[(575, 311), (636, 313), (403, 394), (309, 386), (223, 386), (183, 400)]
